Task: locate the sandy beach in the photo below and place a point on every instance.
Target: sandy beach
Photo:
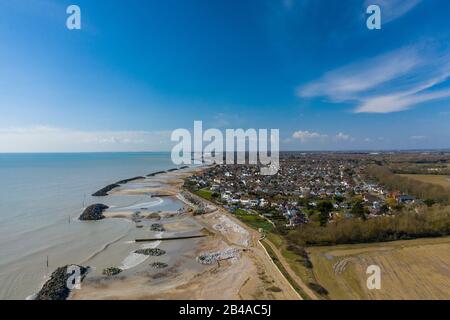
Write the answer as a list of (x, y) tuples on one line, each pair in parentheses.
[(239, 269)]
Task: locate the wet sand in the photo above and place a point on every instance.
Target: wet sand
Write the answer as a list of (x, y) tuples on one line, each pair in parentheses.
[(250, 275)]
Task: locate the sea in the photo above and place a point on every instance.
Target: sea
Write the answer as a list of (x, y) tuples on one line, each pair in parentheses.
[(41, 197)]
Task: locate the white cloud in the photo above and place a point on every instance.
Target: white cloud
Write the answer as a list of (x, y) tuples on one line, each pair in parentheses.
[(305, 136), (417, 137), (51, 139), (342, 137), (391, 82)]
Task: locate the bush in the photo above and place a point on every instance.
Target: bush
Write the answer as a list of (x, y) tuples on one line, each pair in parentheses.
[(274, 289), (297, 250), (318, 288), (306, 263)]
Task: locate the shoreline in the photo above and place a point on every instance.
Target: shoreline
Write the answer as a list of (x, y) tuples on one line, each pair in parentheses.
[(118, 216), (178, 274)]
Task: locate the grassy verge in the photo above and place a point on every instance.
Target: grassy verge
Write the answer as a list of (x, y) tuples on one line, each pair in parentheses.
[(283, 271), (296, 262)]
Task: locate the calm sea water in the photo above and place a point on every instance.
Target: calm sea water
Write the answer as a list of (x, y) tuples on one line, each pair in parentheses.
[(41, 196)]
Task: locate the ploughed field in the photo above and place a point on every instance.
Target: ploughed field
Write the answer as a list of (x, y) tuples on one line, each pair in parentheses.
[(413, 269), (441, 180)]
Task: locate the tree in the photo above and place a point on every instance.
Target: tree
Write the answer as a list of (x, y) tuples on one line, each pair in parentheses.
[(391, 202), (384, 209), (429, 202), (358, 210), (324, 208)]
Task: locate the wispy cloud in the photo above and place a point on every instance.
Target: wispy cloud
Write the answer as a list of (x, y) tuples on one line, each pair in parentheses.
[(52, 139), (393, 9), (390, 82), (399, 101), (344, 83), (417, 137), (223, 120), (342, 137)]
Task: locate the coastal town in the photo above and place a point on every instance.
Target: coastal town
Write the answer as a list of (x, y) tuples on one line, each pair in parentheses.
[(309, 188), (196, 229)]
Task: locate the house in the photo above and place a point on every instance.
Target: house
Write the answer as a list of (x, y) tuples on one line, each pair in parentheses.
[(254, 203), (405, 199), (245, 201), (263, 202), (225, 196), (370, 199), (233, 200)]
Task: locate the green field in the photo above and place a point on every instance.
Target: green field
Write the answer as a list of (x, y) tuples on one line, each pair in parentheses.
[(204, 193), (253, 220)]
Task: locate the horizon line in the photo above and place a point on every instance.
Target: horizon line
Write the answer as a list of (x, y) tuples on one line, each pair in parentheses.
[(281, 151)]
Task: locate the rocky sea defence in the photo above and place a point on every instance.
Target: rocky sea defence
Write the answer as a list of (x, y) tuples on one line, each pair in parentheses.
[(159, 265), (56, 287), (111, 271), (157, 227), (129, 180), (104, 191), (155, 173), (150, 252), (93, 212)]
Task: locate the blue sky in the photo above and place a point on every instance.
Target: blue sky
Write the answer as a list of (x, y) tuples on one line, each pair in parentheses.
[(139, 69)]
